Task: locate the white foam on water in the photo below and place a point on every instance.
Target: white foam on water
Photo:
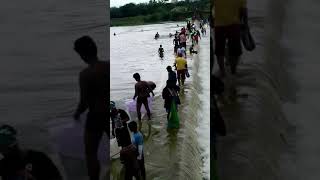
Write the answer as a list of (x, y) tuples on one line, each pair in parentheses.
[(203, 129)]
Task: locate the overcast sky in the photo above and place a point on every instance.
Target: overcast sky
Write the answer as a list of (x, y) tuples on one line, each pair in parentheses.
[(117, 3)]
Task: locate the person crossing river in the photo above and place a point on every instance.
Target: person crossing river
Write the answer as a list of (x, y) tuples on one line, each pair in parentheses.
[(142, 92), (181, 66)]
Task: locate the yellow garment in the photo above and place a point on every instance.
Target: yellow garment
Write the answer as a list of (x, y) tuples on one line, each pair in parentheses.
[(227, 12), (180, 63)]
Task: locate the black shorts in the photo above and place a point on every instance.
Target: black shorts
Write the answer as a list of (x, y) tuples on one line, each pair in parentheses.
[(230, 33), (181, 74), (142, 100)]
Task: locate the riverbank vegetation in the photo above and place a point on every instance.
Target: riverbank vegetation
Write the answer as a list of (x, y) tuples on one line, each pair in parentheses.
[(158, 11)]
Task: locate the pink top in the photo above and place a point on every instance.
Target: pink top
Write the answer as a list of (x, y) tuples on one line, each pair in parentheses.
[(183, 38)]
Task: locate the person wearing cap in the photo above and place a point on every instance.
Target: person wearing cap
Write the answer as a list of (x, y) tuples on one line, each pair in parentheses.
[(142, 92), (94, 91), (23, 164), (119, 119), (172, 76)]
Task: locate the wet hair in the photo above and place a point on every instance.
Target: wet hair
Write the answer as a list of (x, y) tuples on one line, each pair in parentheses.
[(136, 76), (86, 46), (133, 126)]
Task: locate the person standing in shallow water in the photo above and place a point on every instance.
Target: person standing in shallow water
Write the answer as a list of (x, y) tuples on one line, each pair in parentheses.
[(172, 76), (137, 141), (128, 157), (181, 65), (93, 96), (142, 92), (169, 94), (227, 22)]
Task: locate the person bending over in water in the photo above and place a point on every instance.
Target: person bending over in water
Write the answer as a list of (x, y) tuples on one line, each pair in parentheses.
[(18, 164), (142, 91), (119, 117), (160, 51), (152, 85), (137, 141), (94, 91)]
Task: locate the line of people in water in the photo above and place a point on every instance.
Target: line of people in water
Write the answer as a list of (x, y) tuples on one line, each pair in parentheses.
[(132, 151)]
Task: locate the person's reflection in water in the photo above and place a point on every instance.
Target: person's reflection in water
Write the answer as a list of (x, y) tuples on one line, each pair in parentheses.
[(172, 139)]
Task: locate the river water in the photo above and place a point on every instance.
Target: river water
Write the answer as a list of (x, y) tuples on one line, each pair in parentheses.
[(169, 154), (273, 123), (39, 75)]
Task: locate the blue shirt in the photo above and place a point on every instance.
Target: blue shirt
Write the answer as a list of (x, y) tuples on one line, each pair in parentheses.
[(137, 139)]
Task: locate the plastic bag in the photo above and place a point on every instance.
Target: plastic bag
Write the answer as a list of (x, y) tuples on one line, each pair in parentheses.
[(132, 105), (173, 121), (247, 39), (69, 140), (187, 73)]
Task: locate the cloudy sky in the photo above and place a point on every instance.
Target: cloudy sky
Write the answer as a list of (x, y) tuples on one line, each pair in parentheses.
[(117, 3)]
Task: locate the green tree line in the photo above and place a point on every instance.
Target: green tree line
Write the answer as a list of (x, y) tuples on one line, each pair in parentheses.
[(157, 11)]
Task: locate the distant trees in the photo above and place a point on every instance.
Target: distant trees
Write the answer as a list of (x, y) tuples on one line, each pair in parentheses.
[(156, 6), (160, 10)]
